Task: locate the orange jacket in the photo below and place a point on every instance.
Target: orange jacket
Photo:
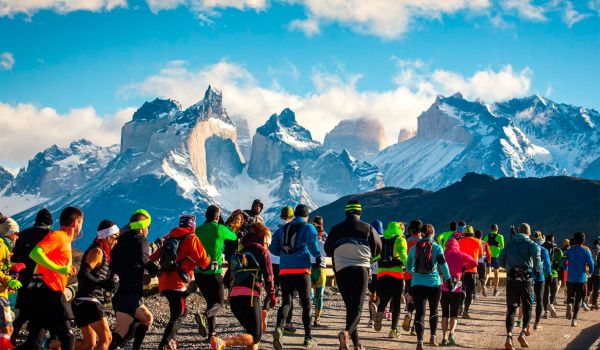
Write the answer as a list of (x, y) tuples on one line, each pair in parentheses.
[(190, 254), (471, 246)]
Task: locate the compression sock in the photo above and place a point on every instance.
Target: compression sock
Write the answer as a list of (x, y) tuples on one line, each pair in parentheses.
[(117, 341), (140, 334)]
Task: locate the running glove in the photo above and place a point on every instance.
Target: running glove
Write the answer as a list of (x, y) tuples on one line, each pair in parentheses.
[(272, 300), (14, 284)]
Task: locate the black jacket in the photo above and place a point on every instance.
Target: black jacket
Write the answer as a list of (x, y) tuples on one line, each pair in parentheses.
[(28, 239), (128, 260), (352, 242)]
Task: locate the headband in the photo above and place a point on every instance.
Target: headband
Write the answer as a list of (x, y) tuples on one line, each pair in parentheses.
[(107, 232), (142, 224)]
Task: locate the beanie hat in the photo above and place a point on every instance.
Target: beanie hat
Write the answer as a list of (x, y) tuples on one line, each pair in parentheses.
[(43, 218), (187, 221), (142, 224), (469, 230), (301, 211), (287, 212), (8, 227), (353, 206)]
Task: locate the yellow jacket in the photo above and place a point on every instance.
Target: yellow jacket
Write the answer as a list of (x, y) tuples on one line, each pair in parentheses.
[(4, 267)]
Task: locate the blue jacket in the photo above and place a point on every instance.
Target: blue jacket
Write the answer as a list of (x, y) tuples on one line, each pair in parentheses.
[(522, 252), (431, 279), (546, 264), (578, 258), (307, 244)]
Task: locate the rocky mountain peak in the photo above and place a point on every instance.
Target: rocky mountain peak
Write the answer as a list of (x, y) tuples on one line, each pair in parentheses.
[(362, 137), (211, 106), (158, 108), (5, 178)]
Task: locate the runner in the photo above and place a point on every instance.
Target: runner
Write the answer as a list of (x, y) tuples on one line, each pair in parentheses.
[(551, 285), (253, 215), (251, 269), (471, 246), (577, 261), (444, 236), (496, 242), (28, 239), (129, 260), (180, 253), (50, 311), (294, 243), (484, 261), (562, 275), (9, 231), (93, 279), (415, 236), (595, 279), (521, 259), (210, 278), (372, 286), (318, 274), (390, 276), (423, 262), (352, 244), (539, 280), (451, 299)]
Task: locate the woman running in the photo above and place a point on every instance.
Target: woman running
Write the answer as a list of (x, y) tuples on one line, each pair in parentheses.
[(318, 274), (251, 270)]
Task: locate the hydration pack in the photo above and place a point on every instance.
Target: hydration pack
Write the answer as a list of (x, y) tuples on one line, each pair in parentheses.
[(290, 237), (493, 240), (245, 270), (168, 254), (387, 253), (424, 257)]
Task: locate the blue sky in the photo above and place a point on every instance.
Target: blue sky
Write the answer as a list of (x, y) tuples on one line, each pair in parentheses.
[(60, 62)]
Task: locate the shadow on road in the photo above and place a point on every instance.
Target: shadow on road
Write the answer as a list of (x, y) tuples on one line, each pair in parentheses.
[(585, 339)]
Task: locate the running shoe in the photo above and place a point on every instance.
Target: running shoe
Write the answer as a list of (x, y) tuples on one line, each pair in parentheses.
[(518, 323), (552, 311), (495, 291), (546, 315), (433, 341), (344, 339), (377, 321), (394, 334), (586, 307), (573, 323), (465, 315), (521, 339), (420, 345), (309, 342), (406, 323), (217, 343), (444, 342), (484, 292), (277, 334), (569, 311), (413, 331), (537, 327), (451, 341), (508, 345), (370, 324), (372, 310), (201, 321), (289, 329)]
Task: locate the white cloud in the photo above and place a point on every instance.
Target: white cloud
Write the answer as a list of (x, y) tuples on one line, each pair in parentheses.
[(335, 97), (571, 16), (29, 7), (525, 9), (204, 7), (7, 60), (384, 18), (594, 5), (27, 129)]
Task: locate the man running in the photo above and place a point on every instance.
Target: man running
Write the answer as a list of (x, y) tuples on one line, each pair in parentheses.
[(521, 259), (444, 236), (372, 286), (471, 246), (9, 230), (28, 239), (496, 242), (551, 280), (539, 280), (595, 279), (352, 244), (414, 229), (484, 261), (295, 243), (424, 259), (49, 309), (128, 260), (318, 274), (210, 279), (577, 261)]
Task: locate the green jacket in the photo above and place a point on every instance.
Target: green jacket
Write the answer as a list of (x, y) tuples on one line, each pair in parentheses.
[(399, 251), (212, 235), (443, 238), (495, 249)]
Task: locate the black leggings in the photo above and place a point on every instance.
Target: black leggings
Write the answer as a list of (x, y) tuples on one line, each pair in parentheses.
[(422, 295), (299, 283), (247, 311), (518, 293), (595, 285), (575, 294), (176, 300), (450, 304), (352, 282), (469, 281), (390, 289), (211, 287), (550, 288), (410, 306), (538, 289)]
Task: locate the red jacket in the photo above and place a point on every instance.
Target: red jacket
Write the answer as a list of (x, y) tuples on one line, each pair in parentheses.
[(189, 255)]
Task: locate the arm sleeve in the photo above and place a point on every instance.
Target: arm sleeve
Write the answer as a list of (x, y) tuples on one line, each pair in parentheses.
[(374, 242), (267, 271), (39, 257), (275, 246), (440, 238), (547, 263), (501, 241), (228, 235), (198, 253), (590, 261), (468, 261), (443, 265), (144, 252), (410, 260), (313, 241), (488, 253), (400, 250), (537, 260)]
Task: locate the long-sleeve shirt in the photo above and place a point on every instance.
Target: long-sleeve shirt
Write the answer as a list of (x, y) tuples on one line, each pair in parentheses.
[(431, 279), (523, 253), (212, 235), (546, 264), (306, 245), (580, 261)]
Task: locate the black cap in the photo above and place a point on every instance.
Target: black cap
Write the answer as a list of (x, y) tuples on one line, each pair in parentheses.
[(44, 218), (415, 226), (301, 211)]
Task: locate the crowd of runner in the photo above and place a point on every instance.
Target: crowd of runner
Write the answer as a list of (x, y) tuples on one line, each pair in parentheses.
[(401, 263)]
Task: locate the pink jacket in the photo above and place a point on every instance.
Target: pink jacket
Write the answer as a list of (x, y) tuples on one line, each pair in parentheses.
[(457, 261)]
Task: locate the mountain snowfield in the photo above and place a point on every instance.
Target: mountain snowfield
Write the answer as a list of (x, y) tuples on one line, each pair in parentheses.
[(173, 160)]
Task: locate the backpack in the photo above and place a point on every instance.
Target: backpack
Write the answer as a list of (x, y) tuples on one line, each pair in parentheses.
[(493, 240), (554, 264), (168, 254), (424, 257), (387, 253), (245, 270), (290, 236)]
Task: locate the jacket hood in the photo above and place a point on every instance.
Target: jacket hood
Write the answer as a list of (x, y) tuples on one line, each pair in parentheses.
[(393, 229), (43, 218), (452, 245), (181, 231), (378, 226)]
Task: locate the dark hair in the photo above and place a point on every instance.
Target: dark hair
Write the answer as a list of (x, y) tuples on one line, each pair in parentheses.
[(415, 226), (212, 213), (69, 215), (453, 226), (318, 222), (104, 224), (301, 211), (578, 238), (478, 234), (550, 238), (428, 230), (494, 227), (462, 223)]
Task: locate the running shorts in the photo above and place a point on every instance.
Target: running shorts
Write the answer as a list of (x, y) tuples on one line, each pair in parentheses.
[(495, 264), (127, 303), (87, 312)]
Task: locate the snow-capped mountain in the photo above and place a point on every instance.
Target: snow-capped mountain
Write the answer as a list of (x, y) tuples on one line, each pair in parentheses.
[(6, 178), (519, 138), (362, 138)]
